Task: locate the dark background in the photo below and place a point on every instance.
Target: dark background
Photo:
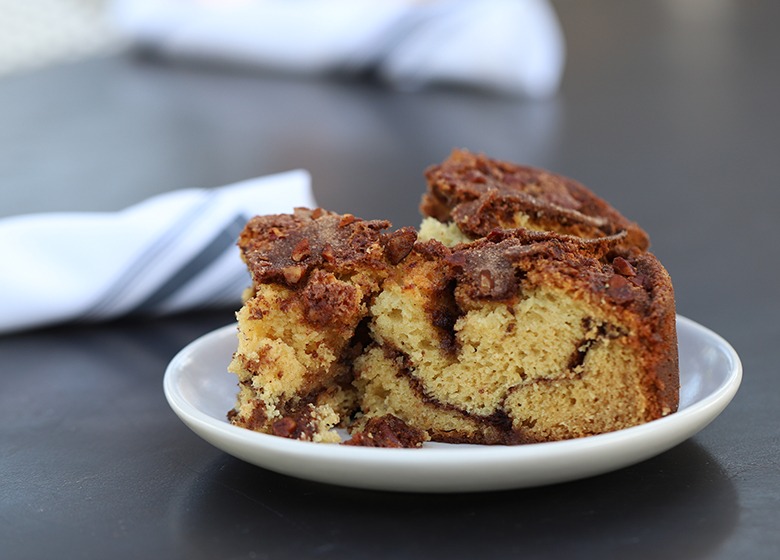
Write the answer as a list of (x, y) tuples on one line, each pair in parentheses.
[(667, 109)]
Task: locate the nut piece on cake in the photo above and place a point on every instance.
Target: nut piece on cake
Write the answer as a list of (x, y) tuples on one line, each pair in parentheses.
[(470, 195)]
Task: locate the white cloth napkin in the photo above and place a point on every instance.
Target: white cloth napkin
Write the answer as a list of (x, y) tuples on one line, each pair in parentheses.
[(172, 252), (514, 46)]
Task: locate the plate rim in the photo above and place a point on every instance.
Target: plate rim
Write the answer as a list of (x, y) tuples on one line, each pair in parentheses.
[(643, 441)]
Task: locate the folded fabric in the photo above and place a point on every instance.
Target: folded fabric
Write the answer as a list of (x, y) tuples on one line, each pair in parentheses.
[(515, 46), (170, 253)]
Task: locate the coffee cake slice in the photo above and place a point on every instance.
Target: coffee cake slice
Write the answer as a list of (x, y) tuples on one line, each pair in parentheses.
[(529, 310), (315, 275), (522, 337)]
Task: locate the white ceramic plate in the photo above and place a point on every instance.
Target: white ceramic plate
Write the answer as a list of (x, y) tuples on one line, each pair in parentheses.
[(200, 391)]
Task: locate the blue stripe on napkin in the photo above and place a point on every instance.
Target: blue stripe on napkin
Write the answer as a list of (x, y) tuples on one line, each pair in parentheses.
[(221, 242)]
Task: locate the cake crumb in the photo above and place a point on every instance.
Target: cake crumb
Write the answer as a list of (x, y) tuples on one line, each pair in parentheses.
[(388, 431)]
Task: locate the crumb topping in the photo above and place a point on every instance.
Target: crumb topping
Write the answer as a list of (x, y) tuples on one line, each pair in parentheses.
[(480, 194), (284, 248)]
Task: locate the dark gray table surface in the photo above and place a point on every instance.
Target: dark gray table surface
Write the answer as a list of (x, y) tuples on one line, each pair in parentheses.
[(668, 110)]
